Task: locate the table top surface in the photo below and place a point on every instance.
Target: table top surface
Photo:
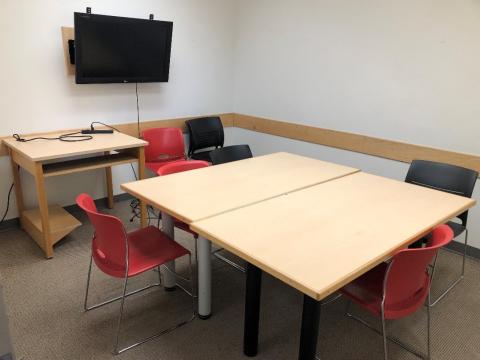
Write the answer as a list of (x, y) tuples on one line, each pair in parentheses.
[(202, 193), (319, 239), (41, 150)]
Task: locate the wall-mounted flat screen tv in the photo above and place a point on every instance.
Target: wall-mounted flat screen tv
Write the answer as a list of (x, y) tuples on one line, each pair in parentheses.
[(112, 49)]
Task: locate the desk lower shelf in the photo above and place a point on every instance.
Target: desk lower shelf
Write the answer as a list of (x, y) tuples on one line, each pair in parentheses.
[(61, 224), (84, 164)]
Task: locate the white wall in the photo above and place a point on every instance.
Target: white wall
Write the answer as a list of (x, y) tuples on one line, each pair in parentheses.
[(403, 70), (36, 95)]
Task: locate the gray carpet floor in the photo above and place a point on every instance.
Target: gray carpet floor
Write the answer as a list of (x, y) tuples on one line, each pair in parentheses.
[(45, 308)]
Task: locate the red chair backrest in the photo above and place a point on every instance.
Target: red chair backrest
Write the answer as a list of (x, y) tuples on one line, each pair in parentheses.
[(164, 144), (407, 274), (109, 245), (180, 166)]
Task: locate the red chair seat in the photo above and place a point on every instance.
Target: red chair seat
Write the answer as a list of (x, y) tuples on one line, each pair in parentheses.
[(181, 225), (156, 165), (367, 291), (147, 249)]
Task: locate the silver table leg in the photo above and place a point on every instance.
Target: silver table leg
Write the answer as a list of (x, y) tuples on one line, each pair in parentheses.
[(204, 278), (168, 276)]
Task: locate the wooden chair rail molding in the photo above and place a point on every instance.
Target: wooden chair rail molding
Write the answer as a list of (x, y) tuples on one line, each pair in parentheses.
[(384, 148), (131, 128)]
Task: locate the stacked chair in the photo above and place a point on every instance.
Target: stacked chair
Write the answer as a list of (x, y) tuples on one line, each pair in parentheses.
[(452, 179), (205, 134)]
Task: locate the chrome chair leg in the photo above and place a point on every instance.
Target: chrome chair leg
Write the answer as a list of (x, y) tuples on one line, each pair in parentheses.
[(228, 261), (109, 301), (159, 275), (455, 282), (428, 327), (384, 335), (85, 306), (330, 299), (347, 307), (116, 351), (163, 332), (392, 339)]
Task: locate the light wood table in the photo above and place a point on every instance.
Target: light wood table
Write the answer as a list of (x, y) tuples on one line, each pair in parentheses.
[(319, 239), (203, 193), (45, 158)]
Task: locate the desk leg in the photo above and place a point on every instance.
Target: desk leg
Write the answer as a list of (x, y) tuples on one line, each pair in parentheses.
[(204, 250), (108, 173), (168, 275), (309, 332), (43, 207), (109, 180), (18, 188), (252, 310), (141, 175)]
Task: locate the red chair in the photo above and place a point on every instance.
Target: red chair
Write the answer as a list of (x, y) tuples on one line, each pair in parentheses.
[(180, 166), (165, 145), (124, 255), (399, 288)]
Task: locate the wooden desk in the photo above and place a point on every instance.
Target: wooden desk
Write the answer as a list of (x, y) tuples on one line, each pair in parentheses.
[(45, 158), (342, 228), (194, 195)]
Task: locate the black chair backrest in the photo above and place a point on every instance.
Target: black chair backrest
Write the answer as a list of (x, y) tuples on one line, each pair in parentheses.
[(445, 177), (229, 154), (204, 133)]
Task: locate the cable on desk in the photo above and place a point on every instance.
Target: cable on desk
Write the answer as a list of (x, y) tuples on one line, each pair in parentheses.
[(69, 137), (101, 123)]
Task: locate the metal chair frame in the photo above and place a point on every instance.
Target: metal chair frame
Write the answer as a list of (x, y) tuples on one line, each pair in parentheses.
[(457, 280), (383, 331), (228, 261), (465, 191), (116, 349)]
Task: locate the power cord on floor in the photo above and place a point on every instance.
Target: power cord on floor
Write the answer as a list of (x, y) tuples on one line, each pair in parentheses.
[(8, 204)]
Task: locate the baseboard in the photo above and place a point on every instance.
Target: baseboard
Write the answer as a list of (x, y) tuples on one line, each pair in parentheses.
[(101, 204)]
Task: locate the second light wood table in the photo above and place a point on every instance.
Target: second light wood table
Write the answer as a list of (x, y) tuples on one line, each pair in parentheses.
[(203, 193), (342, 228)]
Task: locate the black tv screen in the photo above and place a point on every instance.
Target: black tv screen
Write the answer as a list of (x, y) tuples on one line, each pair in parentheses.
[(112, 49)]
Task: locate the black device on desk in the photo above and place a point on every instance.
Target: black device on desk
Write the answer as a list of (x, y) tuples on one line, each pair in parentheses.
[(93, 131)]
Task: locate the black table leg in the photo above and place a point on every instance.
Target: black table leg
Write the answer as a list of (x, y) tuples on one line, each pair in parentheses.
[(309, 333), (252, 310)]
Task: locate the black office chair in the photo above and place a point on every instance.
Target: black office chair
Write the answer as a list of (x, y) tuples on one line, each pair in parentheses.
[(229, 154), (204, 133), (452, 179), (222, 156)]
